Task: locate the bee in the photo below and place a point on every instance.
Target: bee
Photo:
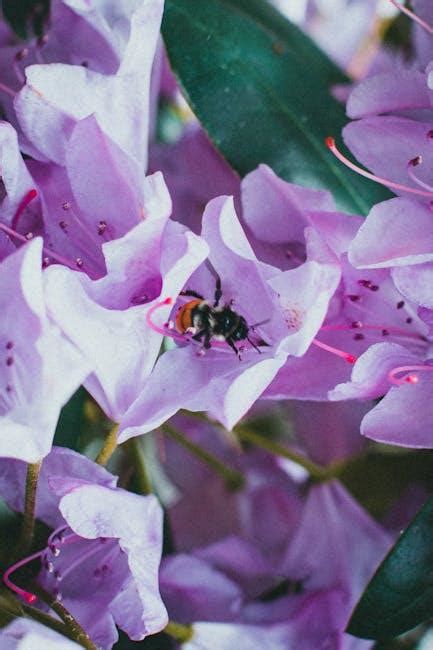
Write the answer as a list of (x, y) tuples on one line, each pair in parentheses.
[(208, 320)]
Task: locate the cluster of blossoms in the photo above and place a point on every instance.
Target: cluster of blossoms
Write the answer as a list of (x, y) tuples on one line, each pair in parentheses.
[(189, 291)]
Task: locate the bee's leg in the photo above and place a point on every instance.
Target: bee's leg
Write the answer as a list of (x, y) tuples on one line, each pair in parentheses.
[(234, 348), (254, 345), (207, 337), (218, 291), (192, 293), (199, 335)]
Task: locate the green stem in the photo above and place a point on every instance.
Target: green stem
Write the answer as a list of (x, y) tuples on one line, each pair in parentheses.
[(28, 523), (136, 454), (109, 447), (317, 472), (181, 633), (75, 631), (233, 478), (16, 609)]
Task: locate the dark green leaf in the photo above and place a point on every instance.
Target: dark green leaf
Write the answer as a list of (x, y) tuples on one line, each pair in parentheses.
[(26, 17), (260, 87), (400, 594), (72, 421)]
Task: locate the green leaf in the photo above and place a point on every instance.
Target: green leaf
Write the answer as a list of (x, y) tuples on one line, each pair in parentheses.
[(26, 17), (400, 594), (260, 88), (72, 421)]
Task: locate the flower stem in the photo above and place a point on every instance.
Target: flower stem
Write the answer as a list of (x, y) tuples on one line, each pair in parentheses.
[(12, 607), (136, 454), (233, 478), (316, 471), (75, 631), (109, 447), (181, 633), (28, 524)]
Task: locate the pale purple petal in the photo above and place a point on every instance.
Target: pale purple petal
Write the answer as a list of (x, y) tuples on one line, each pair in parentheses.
[(56, 96), (387, 92), (95, 511), (404, 416), (14, 175), (35, 355), (268, 200), (370, 374), (396, 232), (192, 590), (415, 283)]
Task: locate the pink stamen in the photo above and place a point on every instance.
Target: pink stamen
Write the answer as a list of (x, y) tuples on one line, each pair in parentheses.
[(27, 595), (414, 163), (350, 358), (408, 378), (330, 143), (165, 331), (28, 198), (48, 253), (412, 16), (382, 328)]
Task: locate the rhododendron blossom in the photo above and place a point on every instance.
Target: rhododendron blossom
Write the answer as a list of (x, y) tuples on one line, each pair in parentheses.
[(199, 357)]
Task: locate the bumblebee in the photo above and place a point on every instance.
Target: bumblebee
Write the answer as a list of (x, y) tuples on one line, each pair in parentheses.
[(207, 320)]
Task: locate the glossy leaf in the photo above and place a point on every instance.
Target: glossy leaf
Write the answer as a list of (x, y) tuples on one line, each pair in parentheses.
[(260, 87), (400, 594)]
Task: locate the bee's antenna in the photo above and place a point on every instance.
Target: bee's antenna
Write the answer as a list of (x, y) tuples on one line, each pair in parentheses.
[(254, 345), (262, 322)]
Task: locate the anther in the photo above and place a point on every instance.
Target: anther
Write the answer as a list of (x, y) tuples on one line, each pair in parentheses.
[(414, 163), (356, 324), (102, 226), (409, 320), (9, 361), (63, 224), (9, 345), (330, 143), (66, 205), (354, 297), (385, 333), (359, 337), (29, 236), (21, 54), (79, 262), (400, 304)]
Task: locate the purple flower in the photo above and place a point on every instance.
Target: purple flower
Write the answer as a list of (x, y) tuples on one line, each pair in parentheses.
[(102, 558), (396, 235), (57, 95), (393, 130), (288, 308), (107, 319), (34, 356), (275, 570)]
